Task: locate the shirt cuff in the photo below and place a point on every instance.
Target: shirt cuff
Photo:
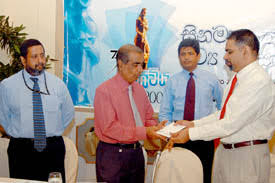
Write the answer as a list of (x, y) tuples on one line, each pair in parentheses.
[(196, 123), (141, 132), (194, 134), (151, 122)]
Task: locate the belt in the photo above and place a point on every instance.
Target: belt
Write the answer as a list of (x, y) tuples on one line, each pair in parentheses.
[(127, 146), (32, 140), (242, 144)]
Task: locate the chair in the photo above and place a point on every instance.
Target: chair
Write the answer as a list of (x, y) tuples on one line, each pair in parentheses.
[(271, 143), (145, 160), (272, 170), (71, 160), (4, 161), (178, 166)]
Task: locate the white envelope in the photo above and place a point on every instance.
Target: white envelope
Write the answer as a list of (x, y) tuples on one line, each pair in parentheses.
[(171, 128)]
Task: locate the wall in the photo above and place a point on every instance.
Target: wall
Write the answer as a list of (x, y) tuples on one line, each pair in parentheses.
[(40, 18)]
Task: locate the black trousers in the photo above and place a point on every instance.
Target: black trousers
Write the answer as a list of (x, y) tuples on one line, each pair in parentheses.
[(205, 151), (25, 162), (119, 165)]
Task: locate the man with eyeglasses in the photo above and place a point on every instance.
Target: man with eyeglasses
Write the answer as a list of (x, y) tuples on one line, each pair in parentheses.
[(36, 108)]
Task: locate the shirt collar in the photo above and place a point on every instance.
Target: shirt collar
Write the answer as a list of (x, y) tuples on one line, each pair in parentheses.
[(28, 76), (123, 84), (186, 73), (246, 70)]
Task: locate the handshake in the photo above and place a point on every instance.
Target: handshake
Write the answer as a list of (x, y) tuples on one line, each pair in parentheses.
[(175, 132)]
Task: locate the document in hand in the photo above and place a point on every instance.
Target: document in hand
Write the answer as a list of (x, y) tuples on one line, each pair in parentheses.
[(171, 128)]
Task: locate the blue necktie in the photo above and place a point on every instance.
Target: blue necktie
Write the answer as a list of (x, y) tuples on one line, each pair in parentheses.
[(38, 118)]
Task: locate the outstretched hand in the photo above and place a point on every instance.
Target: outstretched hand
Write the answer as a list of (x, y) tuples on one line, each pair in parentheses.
[(162, 124), (180, 137), (151, 131)]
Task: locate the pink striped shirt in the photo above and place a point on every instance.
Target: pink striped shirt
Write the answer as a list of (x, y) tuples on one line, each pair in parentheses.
[(114, 119)]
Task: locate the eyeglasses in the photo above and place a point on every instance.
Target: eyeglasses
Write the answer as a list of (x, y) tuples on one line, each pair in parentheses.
[(37, 91)]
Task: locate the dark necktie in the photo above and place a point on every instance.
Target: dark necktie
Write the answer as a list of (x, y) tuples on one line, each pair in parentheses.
[(189, 107), (234, 81), (38, 118)]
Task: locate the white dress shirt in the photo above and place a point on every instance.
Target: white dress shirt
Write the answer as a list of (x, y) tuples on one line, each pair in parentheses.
[(250, 111)]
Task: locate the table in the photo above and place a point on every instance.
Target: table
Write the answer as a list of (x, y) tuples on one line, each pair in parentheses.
[(6, 179)]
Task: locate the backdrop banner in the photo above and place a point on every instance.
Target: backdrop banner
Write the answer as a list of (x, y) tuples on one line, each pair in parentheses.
[(95, 29)]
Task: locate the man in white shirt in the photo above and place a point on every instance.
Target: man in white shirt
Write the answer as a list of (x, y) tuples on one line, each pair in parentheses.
[(248, 119)]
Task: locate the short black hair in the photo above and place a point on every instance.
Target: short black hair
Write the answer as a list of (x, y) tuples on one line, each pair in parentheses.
[(27, 44), (190, 43), (247, 37)]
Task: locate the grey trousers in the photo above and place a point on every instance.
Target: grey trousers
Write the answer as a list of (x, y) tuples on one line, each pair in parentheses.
[(250, 164)]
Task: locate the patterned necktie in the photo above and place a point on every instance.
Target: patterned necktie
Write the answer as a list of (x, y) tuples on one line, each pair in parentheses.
[(134, 107), (234, 81), (38, 118), (189, 107)]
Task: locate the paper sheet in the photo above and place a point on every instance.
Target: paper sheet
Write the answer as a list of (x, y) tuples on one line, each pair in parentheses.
[(171, 128)]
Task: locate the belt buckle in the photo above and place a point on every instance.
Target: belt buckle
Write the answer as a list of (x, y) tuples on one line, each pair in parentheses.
[(135, 145), (233, 146)]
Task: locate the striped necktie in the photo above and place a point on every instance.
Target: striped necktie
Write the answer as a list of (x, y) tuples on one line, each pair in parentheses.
[(38, 118)]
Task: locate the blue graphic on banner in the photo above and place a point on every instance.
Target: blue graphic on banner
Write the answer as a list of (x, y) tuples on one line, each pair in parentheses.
[(153, 81), (85, 65), (80, 53), (153, 77), (95, 29)]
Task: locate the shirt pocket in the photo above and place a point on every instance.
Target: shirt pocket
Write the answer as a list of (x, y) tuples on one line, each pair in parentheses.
[(24, 126), (179, 101), (51, 105), (205, 99)]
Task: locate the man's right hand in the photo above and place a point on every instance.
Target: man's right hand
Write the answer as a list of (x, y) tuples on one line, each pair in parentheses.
[(151, 131), (2, 132)]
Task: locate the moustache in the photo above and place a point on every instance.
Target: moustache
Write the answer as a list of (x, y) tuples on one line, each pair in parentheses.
[(229, 64), (41, 64), (35, 71)]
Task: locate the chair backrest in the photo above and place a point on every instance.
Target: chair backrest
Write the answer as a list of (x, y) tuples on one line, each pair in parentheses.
[(178, 166), (71, 160), (4, 161), (272, 169)]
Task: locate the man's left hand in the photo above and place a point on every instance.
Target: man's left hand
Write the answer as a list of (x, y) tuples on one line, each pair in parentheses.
[(180, 137)]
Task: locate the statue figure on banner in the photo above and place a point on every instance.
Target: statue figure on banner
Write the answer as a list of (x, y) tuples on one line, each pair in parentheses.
[(140, 38)]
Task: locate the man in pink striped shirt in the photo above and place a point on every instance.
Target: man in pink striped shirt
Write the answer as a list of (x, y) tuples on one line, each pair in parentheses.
[(119, 156)]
